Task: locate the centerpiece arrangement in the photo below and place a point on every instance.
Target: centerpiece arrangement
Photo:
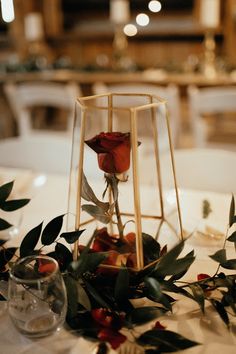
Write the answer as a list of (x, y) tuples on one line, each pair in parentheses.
[(108, 260)]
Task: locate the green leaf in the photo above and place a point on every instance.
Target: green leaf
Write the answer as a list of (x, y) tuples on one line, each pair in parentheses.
[(88, 194), (72, 296), (72, 236), (165, 341), (97, 297), (63, 255), (5, 256), (87, 263), (219, 256), (52, 230), (198, 295), (30, 241), (229, 264), (151, 248), (83, 298), (5, 191), (142, 315), (221, 311), (232, 237), (4, 224), (171, 287), (122, 286), (232, 212), (154, 292), (97, 213), (169, 258), (11, 205)]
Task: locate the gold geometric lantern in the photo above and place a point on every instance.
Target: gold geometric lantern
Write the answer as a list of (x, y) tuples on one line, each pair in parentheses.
[(118, 192)]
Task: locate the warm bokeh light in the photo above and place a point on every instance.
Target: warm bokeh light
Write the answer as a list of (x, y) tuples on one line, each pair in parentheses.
[(154, 6), (142, 19), (130, 30), (7, 9)]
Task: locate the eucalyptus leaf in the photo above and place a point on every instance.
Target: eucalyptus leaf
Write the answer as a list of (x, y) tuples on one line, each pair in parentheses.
[(154, 292), (198, 295), (83, 298), (122, 286), (5, 191), (4, 224), (232, 212), (142, 315), (221, 311), (165, 341), (88, 194), (5, 256), (97, 213), (30, 241), (72, 296), (72, 236), (52, 230), (229, 264), (96, 296), (11, 205), (232, 237), (219, 256)]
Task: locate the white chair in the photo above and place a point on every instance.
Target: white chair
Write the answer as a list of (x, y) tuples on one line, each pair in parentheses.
[(42, 153), (212, 103), (203, 169), (23, 97), (170, 93)]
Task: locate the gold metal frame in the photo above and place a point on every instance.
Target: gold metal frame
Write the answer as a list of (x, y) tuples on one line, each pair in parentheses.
[(86, 106)]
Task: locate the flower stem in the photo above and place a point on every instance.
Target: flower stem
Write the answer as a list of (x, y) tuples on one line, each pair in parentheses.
[(119, 221)]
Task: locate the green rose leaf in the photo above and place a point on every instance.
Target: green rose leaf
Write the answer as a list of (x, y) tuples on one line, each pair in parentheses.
[(30, 241), (5, 191), (165, 341), (142, 315), (72, 236), (52, 230), (4, 224), (97, 213), (88, 194), (11, 205)]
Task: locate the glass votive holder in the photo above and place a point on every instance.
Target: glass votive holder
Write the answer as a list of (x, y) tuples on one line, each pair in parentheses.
[(37, 301)]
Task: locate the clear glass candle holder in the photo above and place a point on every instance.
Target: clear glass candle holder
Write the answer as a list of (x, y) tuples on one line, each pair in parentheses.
[(37, 300)]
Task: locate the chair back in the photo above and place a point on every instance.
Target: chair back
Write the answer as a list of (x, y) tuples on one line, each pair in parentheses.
[(206, 104), (24, 96)]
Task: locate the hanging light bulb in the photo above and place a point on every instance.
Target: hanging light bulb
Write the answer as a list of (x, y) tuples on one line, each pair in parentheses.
[(142, 19), (154, 6), (7, 9)]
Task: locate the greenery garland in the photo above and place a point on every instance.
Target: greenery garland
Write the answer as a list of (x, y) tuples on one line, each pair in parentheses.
[(100, 302)]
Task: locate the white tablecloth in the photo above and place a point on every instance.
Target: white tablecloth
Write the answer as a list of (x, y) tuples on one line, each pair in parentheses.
[(50, 198)]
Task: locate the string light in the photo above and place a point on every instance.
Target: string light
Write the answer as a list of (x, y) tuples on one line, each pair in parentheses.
[(142, 19), (130, 30), (7, 9), (154, 6)]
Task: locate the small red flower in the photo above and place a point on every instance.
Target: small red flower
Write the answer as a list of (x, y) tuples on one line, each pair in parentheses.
[(115, 338), (103, 241), (113, 151), (159, 326), (202, 276)]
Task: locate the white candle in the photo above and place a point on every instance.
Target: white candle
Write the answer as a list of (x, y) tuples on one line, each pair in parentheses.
[(119, 11), (210, 13), (34, 26)]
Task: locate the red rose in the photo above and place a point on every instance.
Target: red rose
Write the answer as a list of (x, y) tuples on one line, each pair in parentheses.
[(113, 151), (103, 241), (107, 318)]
